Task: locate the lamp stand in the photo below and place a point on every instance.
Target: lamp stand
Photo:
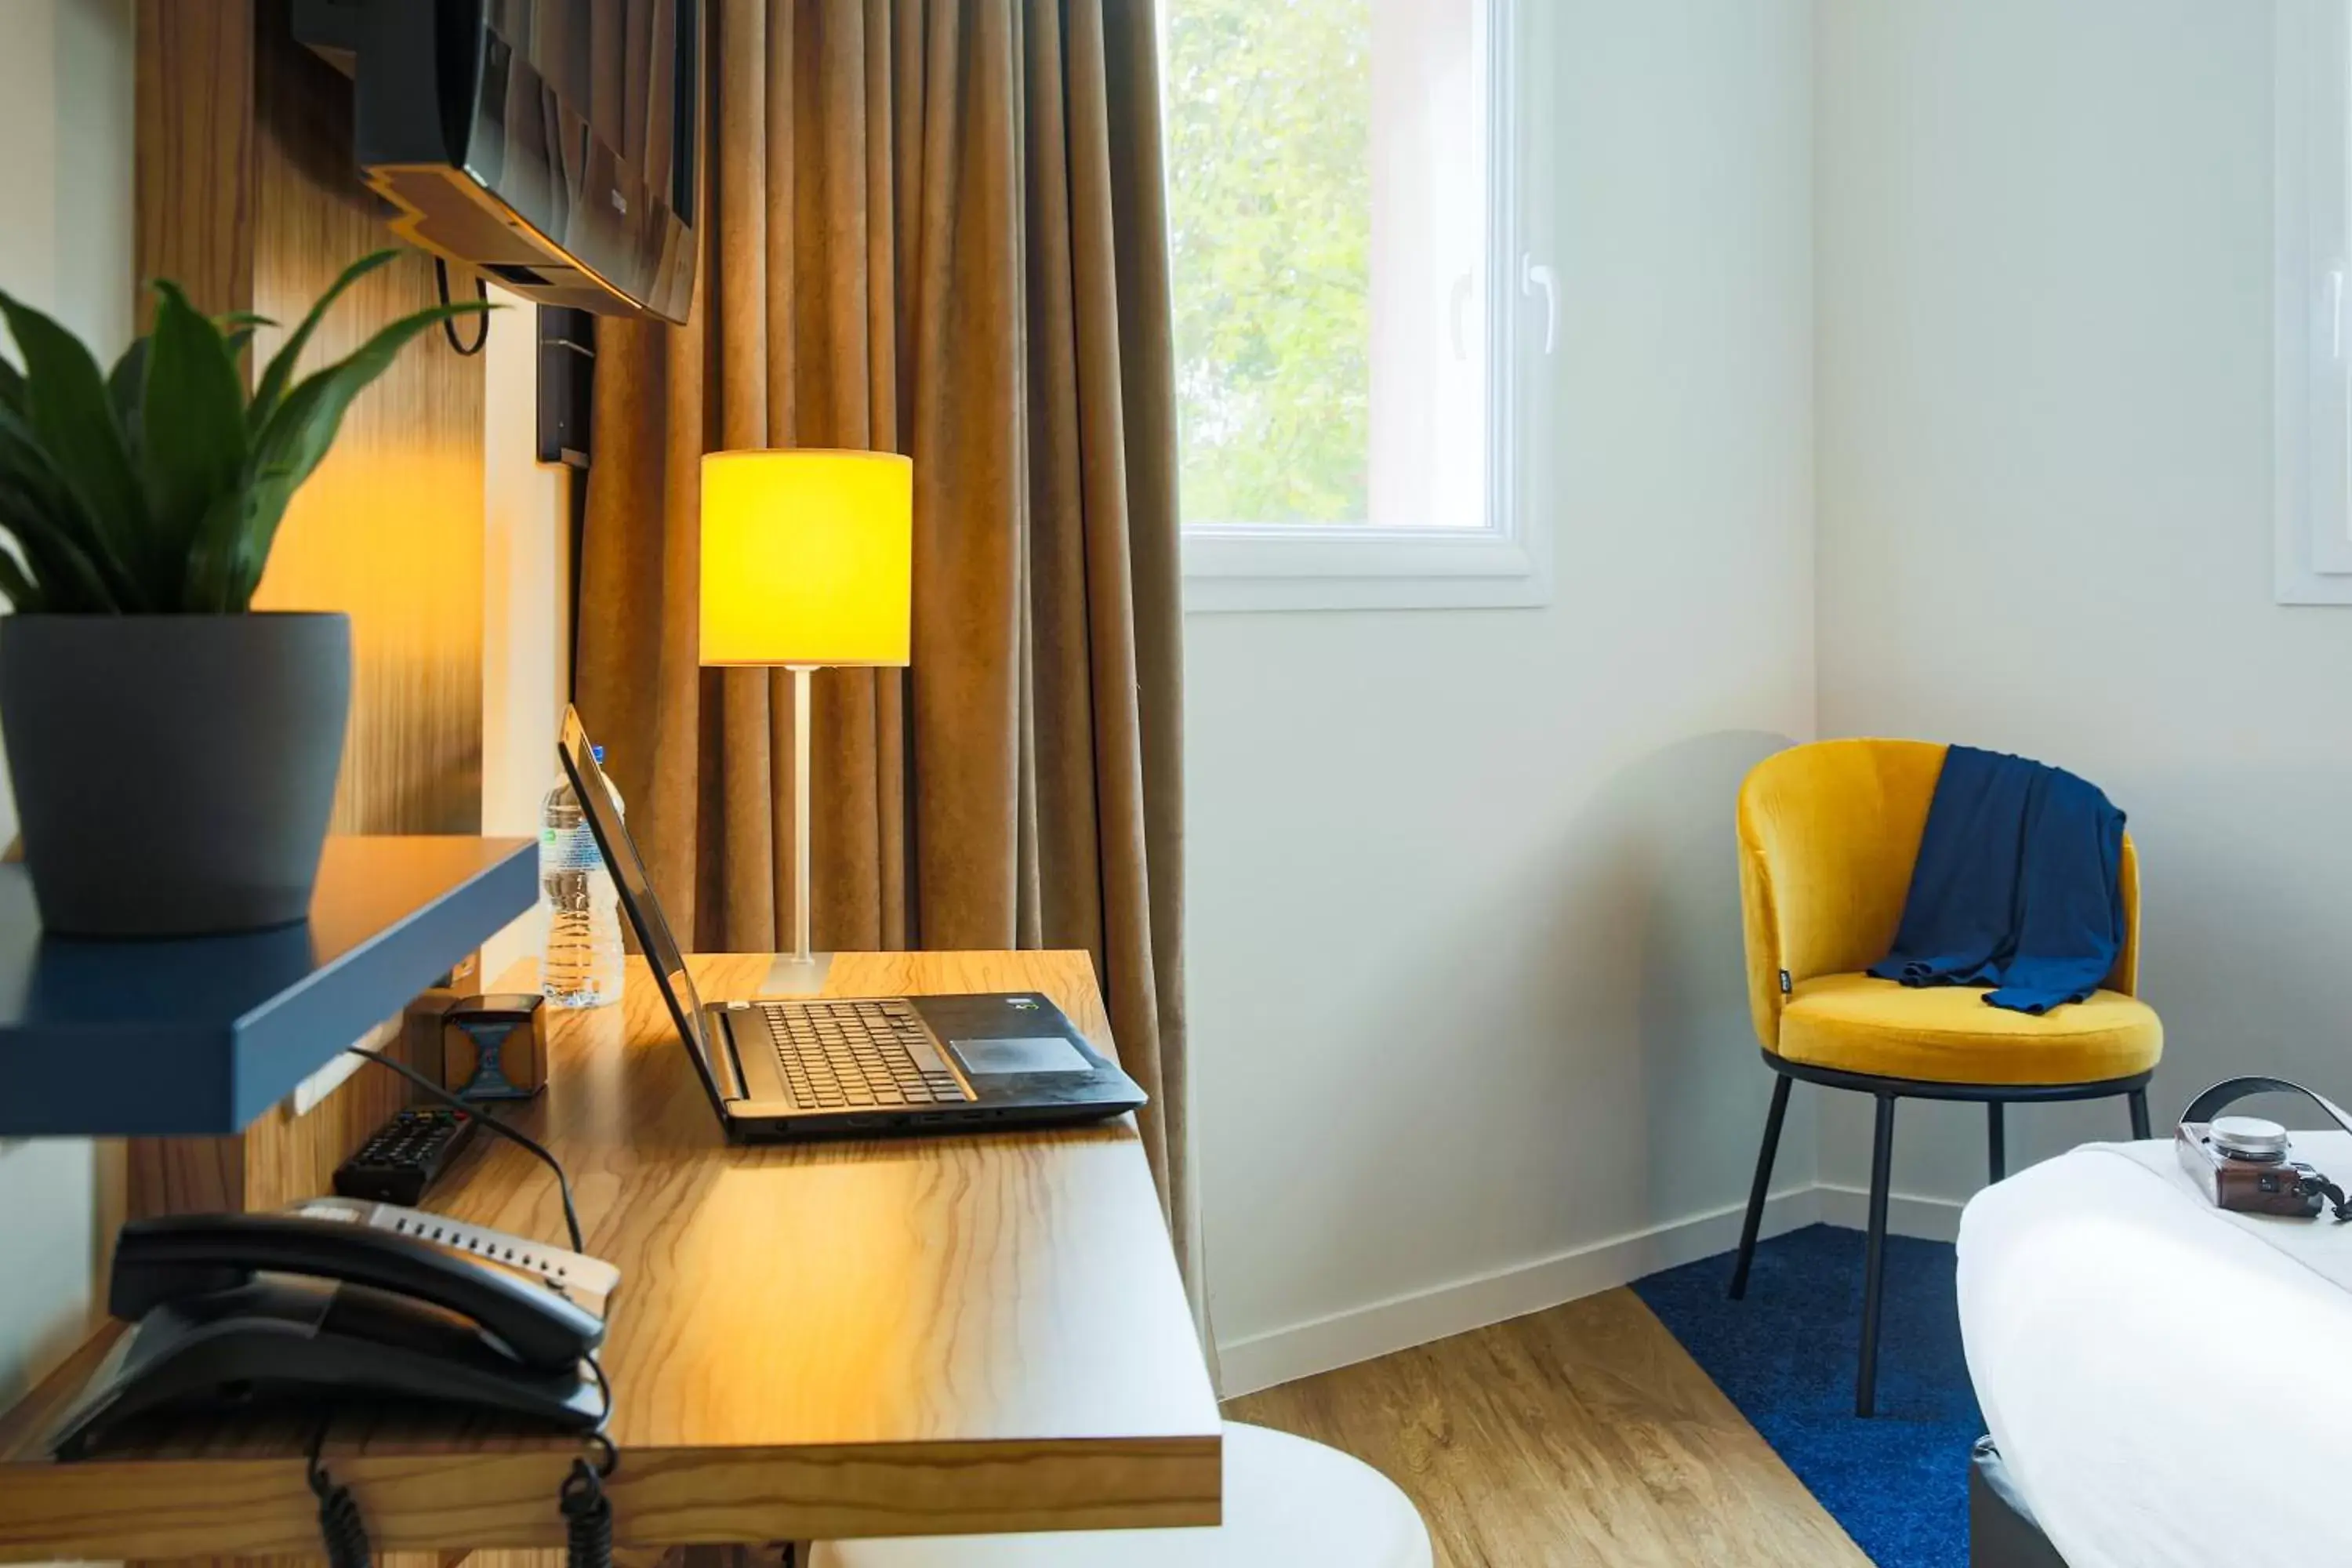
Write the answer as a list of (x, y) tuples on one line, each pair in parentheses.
[(799, 972)]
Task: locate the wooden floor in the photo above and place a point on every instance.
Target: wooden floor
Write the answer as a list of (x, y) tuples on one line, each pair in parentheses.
[(1582, 1434)]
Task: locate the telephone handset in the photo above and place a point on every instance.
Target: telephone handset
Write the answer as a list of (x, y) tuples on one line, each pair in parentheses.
[(160, 1261), (336, 1299)]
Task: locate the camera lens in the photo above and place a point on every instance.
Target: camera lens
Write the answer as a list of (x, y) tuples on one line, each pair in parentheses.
[(2249, 1138)]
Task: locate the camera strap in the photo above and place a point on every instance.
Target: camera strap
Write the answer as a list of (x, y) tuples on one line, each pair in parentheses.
[(2231, 1091)]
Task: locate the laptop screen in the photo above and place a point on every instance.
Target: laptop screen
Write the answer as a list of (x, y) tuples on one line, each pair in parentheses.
[(637, 901)]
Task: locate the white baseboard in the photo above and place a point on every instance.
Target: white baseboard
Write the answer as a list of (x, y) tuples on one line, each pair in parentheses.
[(1343, 1339), (1361, 1333), (1908, 1214)]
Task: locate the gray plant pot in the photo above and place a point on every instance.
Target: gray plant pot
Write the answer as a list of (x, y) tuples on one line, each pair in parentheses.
[(174, 774)]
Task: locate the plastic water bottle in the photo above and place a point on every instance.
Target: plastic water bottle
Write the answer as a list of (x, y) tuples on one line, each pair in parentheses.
[(583, 965)]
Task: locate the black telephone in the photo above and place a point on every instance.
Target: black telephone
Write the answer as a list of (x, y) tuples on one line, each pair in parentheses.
[(342, 1299)]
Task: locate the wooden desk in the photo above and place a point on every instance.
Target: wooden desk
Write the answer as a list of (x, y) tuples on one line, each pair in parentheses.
[(822, 1342)]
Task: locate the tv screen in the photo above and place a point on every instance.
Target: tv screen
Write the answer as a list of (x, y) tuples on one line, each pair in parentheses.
[(551, 143)]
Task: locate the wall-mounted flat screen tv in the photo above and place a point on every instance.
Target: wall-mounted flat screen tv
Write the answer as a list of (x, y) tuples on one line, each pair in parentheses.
[(552, 144)]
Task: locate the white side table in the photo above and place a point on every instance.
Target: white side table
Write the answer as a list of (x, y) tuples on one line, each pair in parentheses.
[(1288, 1503)]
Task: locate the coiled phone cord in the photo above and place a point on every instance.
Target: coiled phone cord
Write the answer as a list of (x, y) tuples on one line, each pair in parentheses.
[(340, 1524), (587, 1511)]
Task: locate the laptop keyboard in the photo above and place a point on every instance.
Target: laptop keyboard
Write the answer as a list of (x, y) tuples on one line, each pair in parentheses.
[(850, 1054)]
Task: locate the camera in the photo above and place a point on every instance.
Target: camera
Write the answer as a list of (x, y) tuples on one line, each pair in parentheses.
[(2241, 1162)]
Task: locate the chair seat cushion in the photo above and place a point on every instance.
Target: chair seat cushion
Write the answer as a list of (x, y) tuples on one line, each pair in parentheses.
[(1946, 1034), (1288, 1503)]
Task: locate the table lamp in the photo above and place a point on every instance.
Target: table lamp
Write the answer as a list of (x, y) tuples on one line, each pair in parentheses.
[(807, 560)]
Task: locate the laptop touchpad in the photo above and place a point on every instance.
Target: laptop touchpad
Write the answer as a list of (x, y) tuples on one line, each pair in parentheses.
[(1036, 1053)]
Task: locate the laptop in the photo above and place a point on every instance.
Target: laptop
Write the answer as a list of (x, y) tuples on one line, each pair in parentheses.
[(855, 1066)]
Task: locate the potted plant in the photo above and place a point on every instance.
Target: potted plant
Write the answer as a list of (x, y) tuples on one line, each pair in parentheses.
[(174, 753)]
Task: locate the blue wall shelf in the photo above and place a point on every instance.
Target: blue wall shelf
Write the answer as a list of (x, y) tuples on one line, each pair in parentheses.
[(201, 1035)]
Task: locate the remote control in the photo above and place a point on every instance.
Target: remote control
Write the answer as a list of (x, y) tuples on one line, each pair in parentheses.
[(404, 1155)]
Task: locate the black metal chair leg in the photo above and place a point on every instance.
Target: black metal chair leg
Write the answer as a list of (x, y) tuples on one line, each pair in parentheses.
[(1881, 1161), (2138, 1098), (1996, 1139), (1755, 1194)]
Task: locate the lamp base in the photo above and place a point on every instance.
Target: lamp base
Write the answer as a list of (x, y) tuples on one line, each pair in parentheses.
[(794, 977)]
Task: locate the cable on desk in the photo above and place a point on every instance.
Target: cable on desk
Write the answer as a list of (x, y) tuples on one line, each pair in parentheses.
[(563, 1183), (340, 1524)]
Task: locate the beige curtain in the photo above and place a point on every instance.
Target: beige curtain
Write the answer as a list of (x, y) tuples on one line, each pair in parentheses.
[(939, 228)]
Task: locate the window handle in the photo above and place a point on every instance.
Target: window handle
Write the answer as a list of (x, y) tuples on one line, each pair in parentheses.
[(1535, 275)]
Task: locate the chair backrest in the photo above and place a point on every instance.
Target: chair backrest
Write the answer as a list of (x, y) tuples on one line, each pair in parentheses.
[(1828, 833)]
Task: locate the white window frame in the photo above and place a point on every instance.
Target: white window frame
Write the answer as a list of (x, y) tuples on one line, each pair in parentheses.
[(2313, 480), (1336, 566)]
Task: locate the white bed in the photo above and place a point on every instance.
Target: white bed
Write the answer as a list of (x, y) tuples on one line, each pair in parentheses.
[(2170, 1386)]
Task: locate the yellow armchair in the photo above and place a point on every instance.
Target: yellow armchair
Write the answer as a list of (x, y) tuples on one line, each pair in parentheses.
[(1827, 834)]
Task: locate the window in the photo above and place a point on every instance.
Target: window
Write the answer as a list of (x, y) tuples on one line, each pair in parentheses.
[(1347, 293), (2314, 341)]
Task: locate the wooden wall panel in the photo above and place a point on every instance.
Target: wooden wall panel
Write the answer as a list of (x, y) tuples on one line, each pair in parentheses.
[(247, 195), (193, 174), (390, 528)]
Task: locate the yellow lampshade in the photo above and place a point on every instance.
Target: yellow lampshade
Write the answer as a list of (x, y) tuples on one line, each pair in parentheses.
[(807, 557)]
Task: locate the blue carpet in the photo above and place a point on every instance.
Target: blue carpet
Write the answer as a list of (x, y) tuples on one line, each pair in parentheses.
[(1785, 1356)]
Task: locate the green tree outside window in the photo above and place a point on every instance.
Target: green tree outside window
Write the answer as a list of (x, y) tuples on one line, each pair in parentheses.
[(1269, 177)]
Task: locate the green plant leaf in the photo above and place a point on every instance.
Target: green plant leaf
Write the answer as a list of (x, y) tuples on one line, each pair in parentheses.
[(66, 550), (279, 373), (234, 548), (192, 423), (12, 386), (68, 580), (74, 427), (238, 327), (15, 586), (26, 472), (213, 580), (126, 391)]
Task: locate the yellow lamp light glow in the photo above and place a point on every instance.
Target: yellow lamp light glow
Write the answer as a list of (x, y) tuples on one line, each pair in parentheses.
[(807, 557)]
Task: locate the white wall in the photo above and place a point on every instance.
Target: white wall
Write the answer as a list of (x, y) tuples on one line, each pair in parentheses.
[(1464, 923), (65, 246), (2043, 255), (526, 605)]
